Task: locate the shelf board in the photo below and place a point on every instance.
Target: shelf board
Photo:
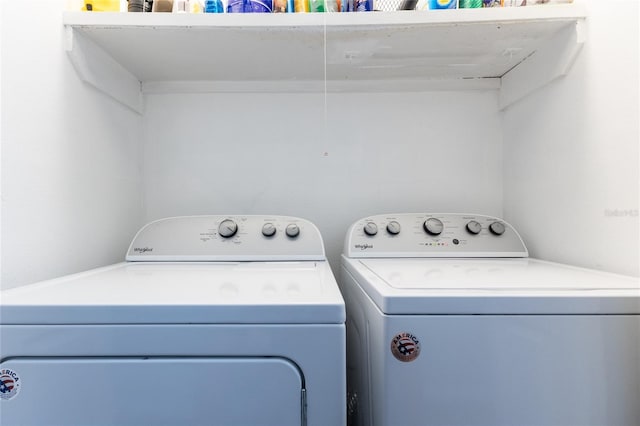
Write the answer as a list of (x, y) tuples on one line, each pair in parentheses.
[(463, 45)]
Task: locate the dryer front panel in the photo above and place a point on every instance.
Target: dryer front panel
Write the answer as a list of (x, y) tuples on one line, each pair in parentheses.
[(152, 391)]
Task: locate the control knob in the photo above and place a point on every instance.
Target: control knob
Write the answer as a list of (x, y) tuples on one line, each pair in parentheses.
[(227, 228), (497, 228), (292, 230), (370, 229), (474, 227), (268, 230), (393, 227), (433, 226)]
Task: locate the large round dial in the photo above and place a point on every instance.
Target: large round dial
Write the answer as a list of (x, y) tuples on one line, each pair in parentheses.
[(393, 227), (370, 229), (292, 230), (497, 228), (268, 229), (474, 227), (433, 226), (227, 228)]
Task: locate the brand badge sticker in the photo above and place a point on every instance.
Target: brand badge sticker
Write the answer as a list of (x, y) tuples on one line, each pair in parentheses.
[(9, 384), (405, 347)]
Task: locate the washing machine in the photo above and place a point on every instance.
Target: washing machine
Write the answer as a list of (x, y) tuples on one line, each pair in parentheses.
[(450, 323), (212, 320)]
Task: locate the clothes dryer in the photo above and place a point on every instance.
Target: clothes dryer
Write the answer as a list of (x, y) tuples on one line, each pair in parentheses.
[(212, 320), (450, 323)]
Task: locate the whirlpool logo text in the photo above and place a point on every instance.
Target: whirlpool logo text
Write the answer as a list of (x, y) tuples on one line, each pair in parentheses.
[(142, 249), (364, 246)]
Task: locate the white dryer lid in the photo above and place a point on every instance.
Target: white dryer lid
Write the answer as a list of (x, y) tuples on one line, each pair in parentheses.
[(492, 286), (182, 293)]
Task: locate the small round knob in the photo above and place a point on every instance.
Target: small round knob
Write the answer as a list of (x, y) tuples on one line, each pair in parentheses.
[(227, 228), (292, 230), (474, 227), (433, 226), (393, 227), (370, 229), (497, 228), (268, 230)]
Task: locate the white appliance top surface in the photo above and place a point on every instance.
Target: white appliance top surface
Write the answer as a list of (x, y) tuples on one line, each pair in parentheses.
[(499, 286), (491, 274), (182, 292)]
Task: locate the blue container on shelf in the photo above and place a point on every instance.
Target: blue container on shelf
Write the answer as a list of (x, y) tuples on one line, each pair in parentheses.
[(250, 6), (442, 4), (258, 6), (213, 6), (357, 5)]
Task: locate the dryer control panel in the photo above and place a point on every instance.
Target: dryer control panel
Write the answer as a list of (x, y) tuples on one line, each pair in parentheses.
[(433, 235), (227, 238)]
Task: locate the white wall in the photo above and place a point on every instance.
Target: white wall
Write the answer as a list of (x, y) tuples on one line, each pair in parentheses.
[(571, 152), (270, 153), (71, 178), (1, 133), (72, 159)]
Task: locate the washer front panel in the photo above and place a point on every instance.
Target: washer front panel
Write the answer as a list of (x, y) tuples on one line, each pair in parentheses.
[(529, 370), (433, 235)]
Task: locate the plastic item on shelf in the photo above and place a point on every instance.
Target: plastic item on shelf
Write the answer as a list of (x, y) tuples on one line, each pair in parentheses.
[(442, 4), (357, 5), (404, 5), (234, 6), (213, 6), (101, 5), (492, 3), (162, 6), (196, 6), (332, 5), (181, 6), (514, 3), (324, 5), (316, 5), (363, 5), (301, 6), (469, 4), (250, 6), (258, 6), (135, 6), (281, 6)]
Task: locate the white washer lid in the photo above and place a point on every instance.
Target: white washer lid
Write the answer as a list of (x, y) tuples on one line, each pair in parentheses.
[(492, 286), (179, 293)]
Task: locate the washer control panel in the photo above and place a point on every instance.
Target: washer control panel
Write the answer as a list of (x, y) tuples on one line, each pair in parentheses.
[(433, 235), (227, 238)]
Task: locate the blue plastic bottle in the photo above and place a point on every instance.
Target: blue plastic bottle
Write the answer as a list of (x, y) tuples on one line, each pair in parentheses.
[(213, 6)]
